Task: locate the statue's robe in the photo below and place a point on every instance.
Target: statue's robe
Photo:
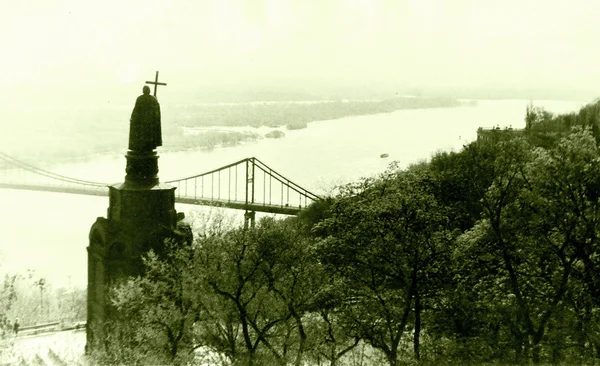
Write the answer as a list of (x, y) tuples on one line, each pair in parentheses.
[(144, 126)]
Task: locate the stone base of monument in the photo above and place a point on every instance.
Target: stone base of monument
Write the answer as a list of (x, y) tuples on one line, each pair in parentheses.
[(142, 168), (141, 216), (135, 207)]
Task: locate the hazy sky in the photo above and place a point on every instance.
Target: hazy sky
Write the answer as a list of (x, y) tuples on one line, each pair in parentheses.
[(67, 47)]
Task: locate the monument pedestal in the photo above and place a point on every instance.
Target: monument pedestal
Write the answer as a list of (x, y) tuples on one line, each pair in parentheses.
[(141, 215), (142, 168)]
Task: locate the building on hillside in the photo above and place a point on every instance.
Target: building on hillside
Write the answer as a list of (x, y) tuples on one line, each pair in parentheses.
[(494, 133)]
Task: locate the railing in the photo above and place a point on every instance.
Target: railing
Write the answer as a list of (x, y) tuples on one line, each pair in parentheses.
[(53, 326), (235, 186), (248, 184)]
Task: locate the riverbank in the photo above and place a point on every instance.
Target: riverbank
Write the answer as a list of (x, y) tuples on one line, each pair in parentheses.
[(48, 135), (295, 114)]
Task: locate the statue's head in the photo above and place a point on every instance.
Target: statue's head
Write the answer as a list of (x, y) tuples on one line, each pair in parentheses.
[(146, 89)]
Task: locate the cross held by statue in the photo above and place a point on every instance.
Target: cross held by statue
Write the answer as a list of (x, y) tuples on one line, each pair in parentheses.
[(155, 83)]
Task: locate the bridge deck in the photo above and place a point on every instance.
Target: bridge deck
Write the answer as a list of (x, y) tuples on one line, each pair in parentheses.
[(248, 184), (103, 191)]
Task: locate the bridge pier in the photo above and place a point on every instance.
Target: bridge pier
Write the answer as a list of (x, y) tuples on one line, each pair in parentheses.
[(249, 219)]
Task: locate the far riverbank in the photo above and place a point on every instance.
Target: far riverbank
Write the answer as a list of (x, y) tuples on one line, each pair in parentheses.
[(54, 135)]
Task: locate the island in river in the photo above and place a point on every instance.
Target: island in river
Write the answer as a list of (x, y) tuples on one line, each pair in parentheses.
[(88, 131)]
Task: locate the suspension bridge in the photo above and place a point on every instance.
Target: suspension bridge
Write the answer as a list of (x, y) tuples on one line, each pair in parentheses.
[(248, 184)]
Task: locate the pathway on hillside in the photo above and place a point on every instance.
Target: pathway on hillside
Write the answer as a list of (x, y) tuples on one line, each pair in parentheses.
[(58, 348)]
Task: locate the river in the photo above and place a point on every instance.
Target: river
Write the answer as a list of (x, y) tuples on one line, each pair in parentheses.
[(47, 232)]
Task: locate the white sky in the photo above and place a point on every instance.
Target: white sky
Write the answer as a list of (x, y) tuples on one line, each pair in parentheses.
[(74, 45)]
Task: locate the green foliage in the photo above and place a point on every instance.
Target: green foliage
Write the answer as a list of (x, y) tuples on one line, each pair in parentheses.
[(207, 139), (460, 180), (295, 115), (33, 300), (267, 279), (245, 296), (385, 245), (521, 261), (298, 125), (275, 134), (545, 129), (313, 214), (154, 314), (8, 296)]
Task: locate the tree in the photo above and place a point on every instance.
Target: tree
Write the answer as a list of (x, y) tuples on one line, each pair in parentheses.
[(565, 187), (537, 117), (460, 179), (539, 218), (154, 313), (267, 277), (8, 296), (384, 243), (331, 341), (247, 296)]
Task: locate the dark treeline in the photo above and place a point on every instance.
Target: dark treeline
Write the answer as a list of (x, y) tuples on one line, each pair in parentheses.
[(297, 113), (490, 255)]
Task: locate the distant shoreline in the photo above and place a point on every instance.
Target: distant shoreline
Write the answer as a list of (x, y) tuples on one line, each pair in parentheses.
[(75, 134), (292, 113)]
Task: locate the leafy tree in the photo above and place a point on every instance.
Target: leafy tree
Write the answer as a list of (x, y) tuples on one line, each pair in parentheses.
[(385, 241), (588, 117), (522, 255), (537, 118), (268, 278), (8, 296), (332, 342), (460, 179), (154, 314), (248, 296), (565, 190)]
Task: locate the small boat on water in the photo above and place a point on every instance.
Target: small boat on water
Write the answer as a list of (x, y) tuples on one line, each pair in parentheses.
[(384, 155)]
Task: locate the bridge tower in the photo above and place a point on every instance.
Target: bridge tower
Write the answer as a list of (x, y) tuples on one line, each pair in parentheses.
[(141, 215), (249, 214)]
